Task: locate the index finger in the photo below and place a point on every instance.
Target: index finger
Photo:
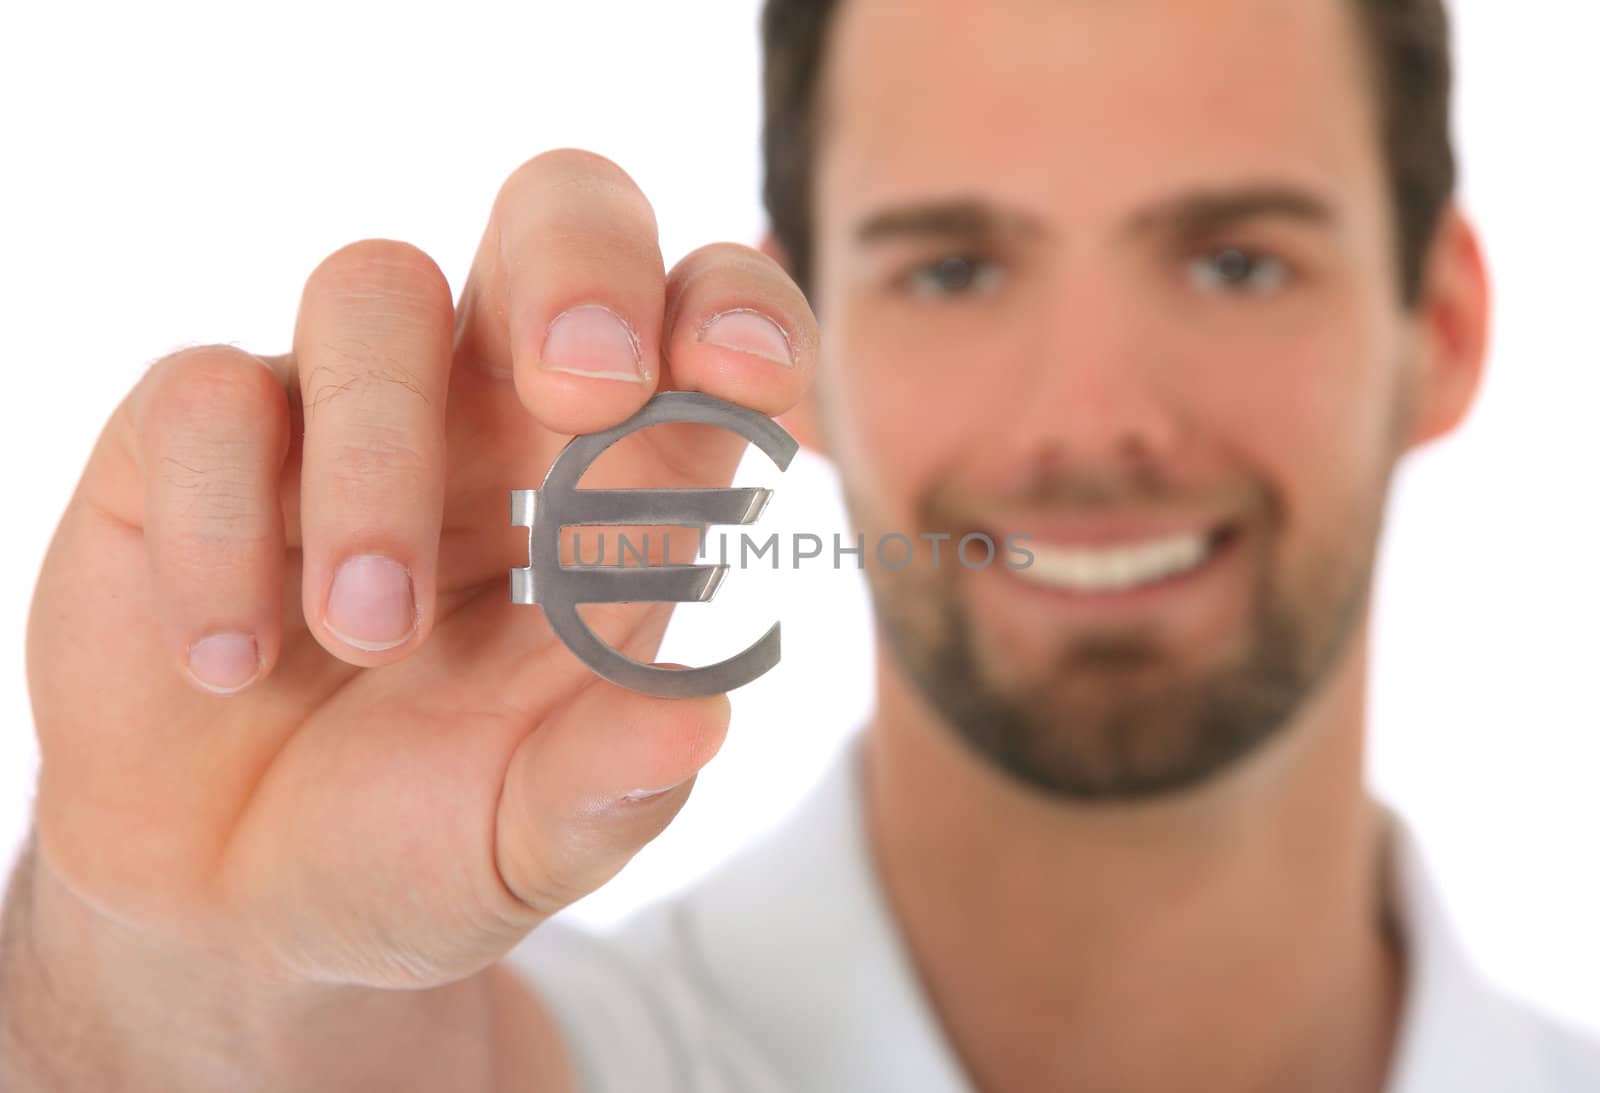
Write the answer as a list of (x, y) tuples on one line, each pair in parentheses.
[(565, 293)]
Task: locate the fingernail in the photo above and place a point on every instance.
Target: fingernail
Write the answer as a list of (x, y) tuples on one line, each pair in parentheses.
[(592, 340), (372, 605), (225, 663), (636, 795), (749, 331)]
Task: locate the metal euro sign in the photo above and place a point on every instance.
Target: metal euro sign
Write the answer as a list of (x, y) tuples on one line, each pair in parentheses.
[(558, 588)]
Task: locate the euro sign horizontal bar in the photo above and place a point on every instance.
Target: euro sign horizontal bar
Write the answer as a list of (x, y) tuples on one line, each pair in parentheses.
[(668, 508), (626, 584), (622, 584)]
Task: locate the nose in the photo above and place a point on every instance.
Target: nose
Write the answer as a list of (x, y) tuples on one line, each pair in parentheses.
[(1094, 398)]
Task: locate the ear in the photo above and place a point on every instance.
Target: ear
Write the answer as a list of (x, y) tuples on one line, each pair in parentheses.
[(1453, 328), (800, 419)]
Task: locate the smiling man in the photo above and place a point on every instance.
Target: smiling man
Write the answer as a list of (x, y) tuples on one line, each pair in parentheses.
[(1163, 289), (1167, 287)]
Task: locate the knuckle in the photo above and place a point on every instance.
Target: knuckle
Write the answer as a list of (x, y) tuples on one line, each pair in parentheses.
[(578, 174), (205, 429), (378, 453), (219, 536), (728, 254), (716, 268), (608, 246), (702, 731), (391, 273), (688, 736), (348, 371), (556, 165), (214, 389)]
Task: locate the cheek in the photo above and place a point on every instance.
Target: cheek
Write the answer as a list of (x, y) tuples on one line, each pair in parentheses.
[(1309, 416), (905, 414)]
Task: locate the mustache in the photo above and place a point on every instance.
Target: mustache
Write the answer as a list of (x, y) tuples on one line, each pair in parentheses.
[(1060, 494)]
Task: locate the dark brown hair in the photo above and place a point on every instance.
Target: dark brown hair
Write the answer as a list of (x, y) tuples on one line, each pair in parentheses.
[(1408, 45)]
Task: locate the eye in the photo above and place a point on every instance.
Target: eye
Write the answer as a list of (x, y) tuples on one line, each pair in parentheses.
[(952, 276), (1232, 269)]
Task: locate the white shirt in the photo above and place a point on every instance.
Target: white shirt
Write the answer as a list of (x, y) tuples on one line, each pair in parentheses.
[(783, 970)]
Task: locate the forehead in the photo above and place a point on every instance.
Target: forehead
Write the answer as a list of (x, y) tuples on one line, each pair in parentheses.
[(1092, 100)]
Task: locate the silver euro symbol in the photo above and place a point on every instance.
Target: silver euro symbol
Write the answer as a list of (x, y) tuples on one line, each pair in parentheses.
[(558, 588)]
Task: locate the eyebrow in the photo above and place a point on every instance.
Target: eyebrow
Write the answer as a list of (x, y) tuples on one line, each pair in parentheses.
[(966, 218), (1209, 210), (1191, 213)]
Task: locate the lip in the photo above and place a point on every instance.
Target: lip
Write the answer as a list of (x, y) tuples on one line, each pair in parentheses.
[(1167, 593)]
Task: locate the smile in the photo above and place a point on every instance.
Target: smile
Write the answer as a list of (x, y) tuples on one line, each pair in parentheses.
[(1120, 567)]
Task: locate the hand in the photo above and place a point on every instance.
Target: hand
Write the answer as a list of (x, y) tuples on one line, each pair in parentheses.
[(419, 773)]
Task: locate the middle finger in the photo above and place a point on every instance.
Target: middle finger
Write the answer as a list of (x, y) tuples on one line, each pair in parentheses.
[(372, 353), (566, 293)]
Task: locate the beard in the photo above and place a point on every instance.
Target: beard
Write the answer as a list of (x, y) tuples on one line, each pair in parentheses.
[(1119, 715)]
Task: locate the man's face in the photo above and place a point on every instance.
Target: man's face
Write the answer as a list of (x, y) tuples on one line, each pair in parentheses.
[(1116, 277)]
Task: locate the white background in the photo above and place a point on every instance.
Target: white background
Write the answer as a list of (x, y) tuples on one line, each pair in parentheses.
[(174, 170)]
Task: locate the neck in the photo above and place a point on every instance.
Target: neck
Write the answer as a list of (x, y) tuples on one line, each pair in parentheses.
[(1230, 937)]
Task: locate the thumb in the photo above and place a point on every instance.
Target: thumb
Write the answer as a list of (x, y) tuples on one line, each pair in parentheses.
[(592, 785)]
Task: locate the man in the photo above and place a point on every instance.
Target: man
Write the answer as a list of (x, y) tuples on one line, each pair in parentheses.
[(1166, 286)]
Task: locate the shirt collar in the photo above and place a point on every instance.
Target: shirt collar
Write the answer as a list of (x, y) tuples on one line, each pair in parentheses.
[(1456, 1031), (804, 906)]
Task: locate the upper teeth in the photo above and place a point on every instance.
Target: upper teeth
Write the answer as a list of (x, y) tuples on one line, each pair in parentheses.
[(1090, 570)]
